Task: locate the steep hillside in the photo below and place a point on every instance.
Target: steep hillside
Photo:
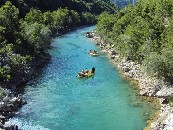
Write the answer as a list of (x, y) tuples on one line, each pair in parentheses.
[(26, 28), (143, 33), (93, 6)]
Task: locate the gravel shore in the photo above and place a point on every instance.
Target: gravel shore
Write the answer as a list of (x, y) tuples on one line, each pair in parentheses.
[(149, 86)]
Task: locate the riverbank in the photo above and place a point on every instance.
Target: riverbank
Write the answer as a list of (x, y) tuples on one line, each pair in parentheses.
[(149, 86), (8, 107), (20, 79), (10, 100)]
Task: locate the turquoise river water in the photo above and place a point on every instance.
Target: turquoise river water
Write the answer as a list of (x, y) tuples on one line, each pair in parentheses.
[(58, 100)]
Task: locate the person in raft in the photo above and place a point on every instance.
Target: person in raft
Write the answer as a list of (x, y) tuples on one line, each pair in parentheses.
[(86, 70), (82, 73), (93, 70), (92, 52), (95, 52)]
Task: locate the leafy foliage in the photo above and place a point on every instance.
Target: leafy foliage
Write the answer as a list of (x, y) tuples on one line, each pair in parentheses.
[(36, 35), (143, 33), (92, 6), (26, 28), (9, 21), (88, 18)]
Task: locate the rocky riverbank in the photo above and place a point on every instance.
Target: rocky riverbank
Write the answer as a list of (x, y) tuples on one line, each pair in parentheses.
[(18, 80), (10, 100), (9, 106), (27, 74), (149, 86)]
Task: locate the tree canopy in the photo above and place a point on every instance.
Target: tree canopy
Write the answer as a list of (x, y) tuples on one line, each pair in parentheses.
[(142, 33), (26, 28)]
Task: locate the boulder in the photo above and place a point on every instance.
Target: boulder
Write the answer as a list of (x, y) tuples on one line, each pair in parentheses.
[(112, 56), (126, 69), (165, 92), (113, 52), (89, 35)]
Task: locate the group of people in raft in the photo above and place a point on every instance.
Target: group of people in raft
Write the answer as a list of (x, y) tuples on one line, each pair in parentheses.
[(88, 73), (93, 53)]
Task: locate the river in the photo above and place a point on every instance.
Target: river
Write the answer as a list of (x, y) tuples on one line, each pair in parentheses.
[(58, 100)]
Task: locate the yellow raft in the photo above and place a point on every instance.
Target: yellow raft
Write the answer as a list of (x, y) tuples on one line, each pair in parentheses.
[(94, 54), (86, 75)]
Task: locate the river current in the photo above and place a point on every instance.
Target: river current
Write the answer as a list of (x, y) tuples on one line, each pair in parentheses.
[(58, 100)]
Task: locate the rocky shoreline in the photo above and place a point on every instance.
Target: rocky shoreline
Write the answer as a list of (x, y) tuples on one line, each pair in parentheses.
[(10, 100), (9, 106), (149, 86), (9, 88)]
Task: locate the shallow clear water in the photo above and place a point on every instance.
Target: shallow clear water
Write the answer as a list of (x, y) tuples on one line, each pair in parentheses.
[(58, 100)]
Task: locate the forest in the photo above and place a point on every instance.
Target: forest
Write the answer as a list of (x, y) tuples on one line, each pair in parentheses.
[(142, 33), (27, 27)]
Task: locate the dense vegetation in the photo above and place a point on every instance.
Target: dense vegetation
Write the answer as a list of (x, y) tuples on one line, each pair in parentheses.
[(92, 6), (26, 27), (142, 33)]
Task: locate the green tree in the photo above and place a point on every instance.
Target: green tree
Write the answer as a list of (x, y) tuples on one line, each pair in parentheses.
[(9, 21), (105, 24), (74, 18), (88, 18), (37, 36), (34, 16)]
